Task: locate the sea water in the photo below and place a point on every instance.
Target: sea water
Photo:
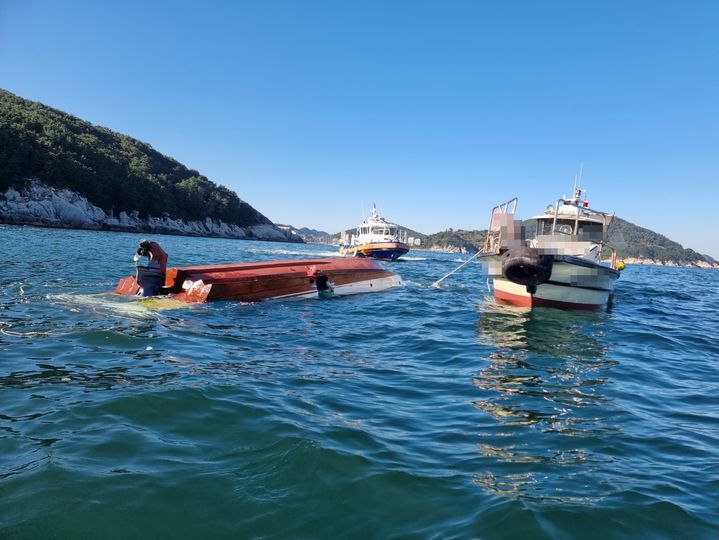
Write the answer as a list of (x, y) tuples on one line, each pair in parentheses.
[(414, 413)]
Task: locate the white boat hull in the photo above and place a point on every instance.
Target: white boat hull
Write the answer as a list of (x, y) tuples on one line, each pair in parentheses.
[(579, 285), (357, 287)]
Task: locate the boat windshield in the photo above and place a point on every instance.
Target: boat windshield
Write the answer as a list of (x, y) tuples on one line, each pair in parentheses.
[(588, 230)]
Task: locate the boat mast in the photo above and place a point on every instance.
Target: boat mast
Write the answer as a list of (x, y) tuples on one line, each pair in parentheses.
[(578, 197)]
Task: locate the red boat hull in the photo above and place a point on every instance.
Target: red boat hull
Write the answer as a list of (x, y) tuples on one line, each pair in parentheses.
[(250, 282)]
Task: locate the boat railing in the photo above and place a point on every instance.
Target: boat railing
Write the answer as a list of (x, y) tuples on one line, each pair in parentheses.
[(493, 241), (615, 263), (613, 260)]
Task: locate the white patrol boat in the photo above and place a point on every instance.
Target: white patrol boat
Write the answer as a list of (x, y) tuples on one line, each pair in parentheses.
[(561, 266), (376, 238)]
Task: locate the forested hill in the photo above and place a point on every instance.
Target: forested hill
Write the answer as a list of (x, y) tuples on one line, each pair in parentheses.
[(456, 240), (633, 241), (113, 171)]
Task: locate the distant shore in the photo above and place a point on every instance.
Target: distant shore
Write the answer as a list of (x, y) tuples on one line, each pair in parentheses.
[(676, 264), (627, 261), (168, 232), (40, 205)]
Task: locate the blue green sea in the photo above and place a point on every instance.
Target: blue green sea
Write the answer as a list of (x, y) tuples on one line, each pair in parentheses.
[(414, 413)]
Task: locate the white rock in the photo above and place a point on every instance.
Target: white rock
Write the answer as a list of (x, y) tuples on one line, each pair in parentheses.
[(40, 204)]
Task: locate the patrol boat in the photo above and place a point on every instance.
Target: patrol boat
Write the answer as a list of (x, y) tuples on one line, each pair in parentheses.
[(376, 238), (561, 265)]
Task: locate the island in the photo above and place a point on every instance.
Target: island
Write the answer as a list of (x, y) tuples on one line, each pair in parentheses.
[(57, 170)]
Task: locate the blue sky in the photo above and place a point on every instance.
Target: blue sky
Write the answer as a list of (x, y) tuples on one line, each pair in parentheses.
[(314, 110)]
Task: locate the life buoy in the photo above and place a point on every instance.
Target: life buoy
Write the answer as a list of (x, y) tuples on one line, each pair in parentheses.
[(526, 266)]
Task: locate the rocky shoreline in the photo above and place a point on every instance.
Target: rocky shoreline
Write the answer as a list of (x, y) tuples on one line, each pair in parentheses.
[(41, 205), (627, 261), (675, 264)]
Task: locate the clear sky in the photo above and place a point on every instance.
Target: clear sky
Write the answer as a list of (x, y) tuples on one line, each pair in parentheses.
[(313, 110)]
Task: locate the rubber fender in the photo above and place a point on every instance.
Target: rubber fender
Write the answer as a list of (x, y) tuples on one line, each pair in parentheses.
[(526, 266)]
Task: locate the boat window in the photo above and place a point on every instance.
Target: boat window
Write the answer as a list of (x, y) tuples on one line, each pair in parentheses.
[(588, 230), (544, 227), (591, 231), (529, 228), (563, 226)]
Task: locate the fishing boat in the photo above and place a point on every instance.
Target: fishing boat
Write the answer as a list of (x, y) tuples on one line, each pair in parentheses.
[(561, 265), (253, 281), (376, 238)]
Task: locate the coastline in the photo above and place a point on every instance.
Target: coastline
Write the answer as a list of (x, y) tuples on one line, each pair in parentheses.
[(40, 205), (670, 263), (628, 261)]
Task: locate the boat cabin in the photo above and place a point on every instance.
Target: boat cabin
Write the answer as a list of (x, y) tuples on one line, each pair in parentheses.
[(570, 227), (376, 229)]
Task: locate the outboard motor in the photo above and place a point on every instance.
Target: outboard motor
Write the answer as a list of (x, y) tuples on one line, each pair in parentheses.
[(527, 267), (150, 277)]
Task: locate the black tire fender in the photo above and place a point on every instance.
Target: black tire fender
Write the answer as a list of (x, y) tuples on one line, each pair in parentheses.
[(526, 266)]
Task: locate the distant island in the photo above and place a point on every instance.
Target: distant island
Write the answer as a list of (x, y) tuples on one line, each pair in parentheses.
[(310, 236), (58, 170), (634, 244)]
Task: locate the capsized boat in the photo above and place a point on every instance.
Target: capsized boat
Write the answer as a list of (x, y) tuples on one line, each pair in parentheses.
[(253, 281), (561, 266), (376, 238)]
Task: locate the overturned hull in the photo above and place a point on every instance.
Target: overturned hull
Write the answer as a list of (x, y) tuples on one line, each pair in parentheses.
[(255, 281)]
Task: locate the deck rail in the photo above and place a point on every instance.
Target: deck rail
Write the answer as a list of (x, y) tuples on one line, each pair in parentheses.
[(493, 241)]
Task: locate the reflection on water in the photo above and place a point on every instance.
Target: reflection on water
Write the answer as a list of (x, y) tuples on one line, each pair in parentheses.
[(541, 389), (543, 330)]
